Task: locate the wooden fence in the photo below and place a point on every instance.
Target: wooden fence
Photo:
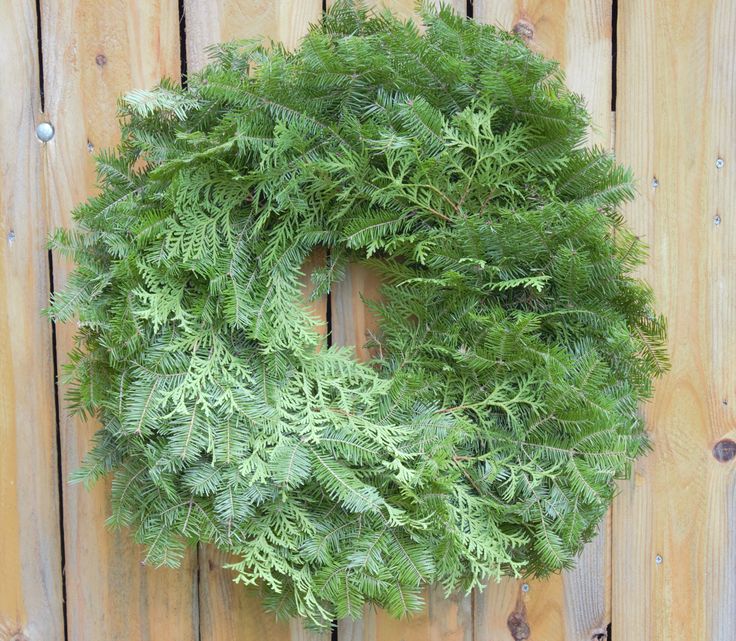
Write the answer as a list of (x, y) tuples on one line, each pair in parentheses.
[(661, 73)]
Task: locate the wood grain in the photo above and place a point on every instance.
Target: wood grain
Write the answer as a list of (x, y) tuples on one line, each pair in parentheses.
[(675, 115), (577, 33), (443, 619), (676, 107), (407, 8), (92, 53), (573, 605), (228, 610), (213, 21), (30, 555), (231, 611)]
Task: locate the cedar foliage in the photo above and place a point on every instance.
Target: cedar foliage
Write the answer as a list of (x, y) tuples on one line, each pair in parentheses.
[(514, 343)]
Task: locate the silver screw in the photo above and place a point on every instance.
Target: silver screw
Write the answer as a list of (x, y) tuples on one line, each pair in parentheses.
[(90, 147), (525, 587), (655, 183), (720, 163), (11, 237), (45, 131), (717, 220), (658, 559)]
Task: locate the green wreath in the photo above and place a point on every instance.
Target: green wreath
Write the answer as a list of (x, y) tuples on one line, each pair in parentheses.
[(514, 343)]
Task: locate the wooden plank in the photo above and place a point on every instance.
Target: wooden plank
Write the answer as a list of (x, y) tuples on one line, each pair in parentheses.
[(674, 543), (92, 53), (576, 604), (212, 21), (229, 611), (406, 8), (443, 619), (577, 33), (30, 561), (573, 605), (233, 612)]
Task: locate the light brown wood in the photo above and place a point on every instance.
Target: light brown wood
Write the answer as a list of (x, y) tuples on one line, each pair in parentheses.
[(231, 611), (92, 53), (574, 605), (676, 94), (352, 324), (443, 619), (228, 610), (577, 33), (406, 8), (676, 107), (30, 546), (214, 21), (571, 606)]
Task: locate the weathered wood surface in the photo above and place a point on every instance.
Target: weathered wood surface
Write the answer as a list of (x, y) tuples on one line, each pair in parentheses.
[(675, 114), (213, 21), (352, 324), (228, 610), (574, 605), (674, 532), (93, 52), (30, 544)]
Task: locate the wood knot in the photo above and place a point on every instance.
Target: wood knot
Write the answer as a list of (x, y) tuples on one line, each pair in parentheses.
[(524, 29), (518, 626), (599, 634), (724, 450), (517, 622), (101, 59)]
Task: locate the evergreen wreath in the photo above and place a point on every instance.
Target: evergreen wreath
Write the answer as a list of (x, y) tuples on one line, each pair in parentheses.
[(514, 343)]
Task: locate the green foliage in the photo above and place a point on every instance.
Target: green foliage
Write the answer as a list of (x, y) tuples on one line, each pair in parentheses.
[(514, 345)]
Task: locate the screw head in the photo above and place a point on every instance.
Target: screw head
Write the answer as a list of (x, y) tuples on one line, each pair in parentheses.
[(655, 183), (716, 220), (45, 131), (720, 163), (658, 559), (525, 587)]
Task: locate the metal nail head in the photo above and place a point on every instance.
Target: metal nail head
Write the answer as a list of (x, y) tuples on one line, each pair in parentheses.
[(45, 131), (719, 163), (525, 587), (658, 559)]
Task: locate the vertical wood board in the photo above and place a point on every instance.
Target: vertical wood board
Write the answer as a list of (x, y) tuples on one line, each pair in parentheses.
[(30, 555), (443, 619), (228, 610), (675, 114), (93, 52), (574, 605), (213, 21), (674, 541)]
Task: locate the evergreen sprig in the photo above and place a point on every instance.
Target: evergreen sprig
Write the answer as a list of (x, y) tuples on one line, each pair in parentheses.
[(514, 343)]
